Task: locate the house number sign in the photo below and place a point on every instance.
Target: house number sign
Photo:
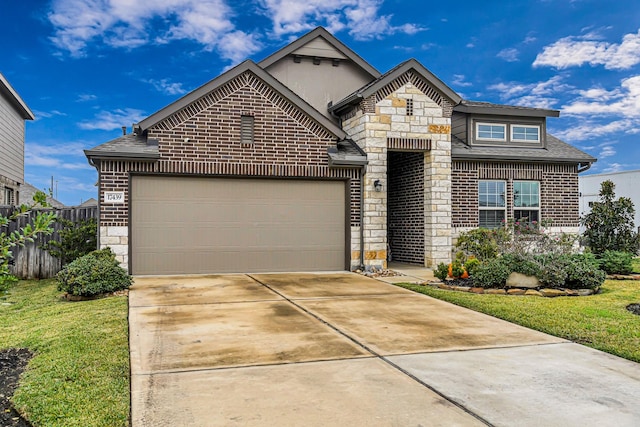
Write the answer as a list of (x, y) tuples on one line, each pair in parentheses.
[(115, 197)]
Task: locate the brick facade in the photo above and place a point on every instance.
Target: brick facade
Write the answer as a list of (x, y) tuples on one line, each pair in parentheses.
[(405, 222), (558, 190), (204, 139)]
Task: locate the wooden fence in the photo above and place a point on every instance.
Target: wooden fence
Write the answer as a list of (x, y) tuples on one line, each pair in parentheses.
[(31, 262)]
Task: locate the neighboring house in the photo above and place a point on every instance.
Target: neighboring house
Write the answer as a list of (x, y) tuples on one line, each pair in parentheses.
[(27, 191), (313, 160), (626, 186), (88, 203), (13, 113)]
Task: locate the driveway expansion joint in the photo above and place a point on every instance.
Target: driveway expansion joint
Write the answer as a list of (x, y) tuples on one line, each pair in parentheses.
[(375, 354)]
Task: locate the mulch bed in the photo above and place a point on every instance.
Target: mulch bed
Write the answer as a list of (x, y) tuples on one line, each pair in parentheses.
[(12, 363)]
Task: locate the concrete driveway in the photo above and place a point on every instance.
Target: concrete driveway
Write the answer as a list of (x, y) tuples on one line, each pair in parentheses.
[(305, 349)]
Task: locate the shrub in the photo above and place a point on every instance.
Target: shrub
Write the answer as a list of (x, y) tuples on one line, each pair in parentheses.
[(492, 274), (471, 265), (456, 270), (76, 239), (522, 264), (552, 270), (481, 243), (617, 262), (441, 271), (583, 273), (93, 274)]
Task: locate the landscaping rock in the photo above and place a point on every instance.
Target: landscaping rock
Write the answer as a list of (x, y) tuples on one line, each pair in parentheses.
[(461, 288), (518, 280), (533, 292), (553, 293), (516, 291), (585, 292), (495, 291), (443, 286), (477, 290)]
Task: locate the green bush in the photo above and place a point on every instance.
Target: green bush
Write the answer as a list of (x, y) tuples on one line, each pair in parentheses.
[(457, 270), (441, 271), (76, 239), (617, 262), (471, 265), (482, 243), (553, 272), (491, 274), (583, 273), (93, 274), (522, 264)]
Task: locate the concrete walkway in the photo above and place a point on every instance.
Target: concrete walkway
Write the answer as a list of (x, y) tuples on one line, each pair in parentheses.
[(310, 349)]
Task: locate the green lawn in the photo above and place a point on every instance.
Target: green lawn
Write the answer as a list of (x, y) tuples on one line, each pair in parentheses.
[(600, 321), (80, 373)]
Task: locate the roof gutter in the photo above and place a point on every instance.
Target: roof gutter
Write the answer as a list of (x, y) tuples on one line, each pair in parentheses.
[(333, 109)]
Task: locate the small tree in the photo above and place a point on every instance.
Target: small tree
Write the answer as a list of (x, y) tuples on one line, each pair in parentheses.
[(41, 224), (610, 225)]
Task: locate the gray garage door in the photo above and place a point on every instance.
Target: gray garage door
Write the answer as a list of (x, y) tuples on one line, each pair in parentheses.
[(218, 225)]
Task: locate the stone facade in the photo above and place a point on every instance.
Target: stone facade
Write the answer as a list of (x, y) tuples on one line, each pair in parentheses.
[(405, 116)]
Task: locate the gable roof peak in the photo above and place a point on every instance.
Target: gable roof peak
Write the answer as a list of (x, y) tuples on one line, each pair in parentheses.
[(393, 74), (320, 32), (12, 96)]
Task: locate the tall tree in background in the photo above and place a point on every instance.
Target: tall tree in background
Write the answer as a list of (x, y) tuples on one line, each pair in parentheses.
[(610, 224)]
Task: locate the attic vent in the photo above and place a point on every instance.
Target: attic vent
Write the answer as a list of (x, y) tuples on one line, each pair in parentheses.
[(409, 107), (246, 129)]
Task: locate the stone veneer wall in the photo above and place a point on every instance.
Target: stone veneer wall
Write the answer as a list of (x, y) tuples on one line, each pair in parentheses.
[(204, 139), (382, 117), (405, 223), (558, 190)]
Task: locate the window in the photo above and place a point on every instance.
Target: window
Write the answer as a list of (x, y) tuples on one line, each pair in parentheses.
[(491, 132), (522, 133), (246, 129), (491, 203), (526, 200), (8, 196)]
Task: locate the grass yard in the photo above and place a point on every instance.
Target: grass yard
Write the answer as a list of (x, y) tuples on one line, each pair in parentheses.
[(600, 321), (79, 375)]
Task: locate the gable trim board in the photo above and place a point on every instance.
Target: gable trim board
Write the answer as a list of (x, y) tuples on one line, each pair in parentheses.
[(388, 145)]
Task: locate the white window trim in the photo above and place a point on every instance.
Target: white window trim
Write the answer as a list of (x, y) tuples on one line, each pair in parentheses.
[(528, 208), (478, 138), (488, 208), (529, 141)]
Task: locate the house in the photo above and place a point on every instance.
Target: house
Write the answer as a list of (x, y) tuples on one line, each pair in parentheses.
[(13, 113), (625, 182), (313, 160), (27, 191)]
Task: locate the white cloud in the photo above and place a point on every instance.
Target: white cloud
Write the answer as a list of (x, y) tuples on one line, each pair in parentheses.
[(590, 129), (166, 87), (606, 151), (56, 157), (47, 114), (459, 80), (110, 120), (614, 167), (509, 54), (361, 17), (538, 95), (575, 51), (130, 24), (623, 101), (86, 97)]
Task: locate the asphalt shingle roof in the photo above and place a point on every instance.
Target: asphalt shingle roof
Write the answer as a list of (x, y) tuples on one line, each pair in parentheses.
[(130, 145), (556, 150)]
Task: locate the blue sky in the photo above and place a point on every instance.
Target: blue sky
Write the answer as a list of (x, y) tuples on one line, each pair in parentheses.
[(88, 67)]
